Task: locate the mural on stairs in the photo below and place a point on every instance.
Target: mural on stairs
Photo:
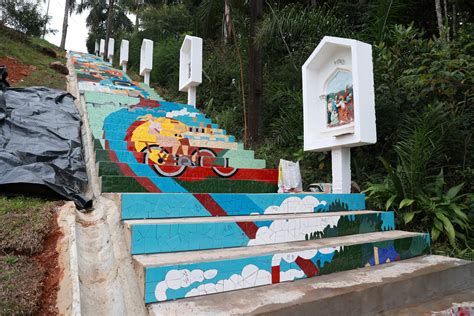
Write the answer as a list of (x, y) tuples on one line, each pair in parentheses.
[(173, 237), (194, 279), (94, 74), (145, 144)]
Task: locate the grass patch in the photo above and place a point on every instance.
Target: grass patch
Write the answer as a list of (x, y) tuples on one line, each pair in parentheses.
[(21, 281), (24, 224), (26, 50)]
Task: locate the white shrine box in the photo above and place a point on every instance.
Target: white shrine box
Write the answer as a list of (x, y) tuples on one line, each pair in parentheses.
[(124, 53), (110, 49), (102, 47), (146, 57), (338, 95), (190, 63)]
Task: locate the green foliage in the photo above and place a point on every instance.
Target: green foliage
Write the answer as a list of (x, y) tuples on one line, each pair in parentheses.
[(96, 20), (25, 17), (167, 21)]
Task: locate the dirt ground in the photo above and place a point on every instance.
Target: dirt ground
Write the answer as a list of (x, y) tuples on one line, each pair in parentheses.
[(16, 70), (48, 260)]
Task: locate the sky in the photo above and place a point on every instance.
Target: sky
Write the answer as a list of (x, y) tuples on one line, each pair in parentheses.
[(77, 30)]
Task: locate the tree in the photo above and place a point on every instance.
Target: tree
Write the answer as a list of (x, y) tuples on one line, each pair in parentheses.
[(255, 90), (439, 16), (69, 7), (24, 17), (96, 21), (110, 15)]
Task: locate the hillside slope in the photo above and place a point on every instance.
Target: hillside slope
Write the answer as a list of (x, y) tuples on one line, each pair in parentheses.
[(29, 270), (27, 61)]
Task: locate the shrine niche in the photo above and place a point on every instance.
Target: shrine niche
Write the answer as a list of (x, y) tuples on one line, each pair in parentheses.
[(340, 99), (338, 95), (338, 103)]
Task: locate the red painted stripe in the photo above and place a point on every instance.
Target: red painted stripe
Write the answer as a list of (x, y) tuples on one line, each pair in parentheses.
[(308, 267), (208, 202), (144, 182), (146, 103), (275, 274), (130, 129), (249, 228)]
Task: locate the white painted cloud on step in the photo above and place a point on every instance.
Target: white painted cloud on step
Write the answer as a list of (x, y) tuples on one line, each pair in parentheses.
[(296, 205), (182, 112), (251, 276), (176, 279), (294, 229)]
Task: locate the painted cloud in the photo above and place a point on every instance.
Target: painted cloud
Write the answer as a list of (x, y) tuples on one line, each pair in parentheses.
[(182, 112), (290, 257), (294, 229), (295, 205), (251, 276), (176, 279)]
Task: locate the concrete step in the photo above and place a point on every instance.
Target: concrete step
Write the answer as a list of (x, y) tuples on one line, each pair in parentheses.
[(133, 157), (177, 275), (145, 137), (175, 205), (193, 142), (187, 172), (131, 109), (134, 183), (459, 303), (366, 291), (118, 126), (148, 236), (128, 145)]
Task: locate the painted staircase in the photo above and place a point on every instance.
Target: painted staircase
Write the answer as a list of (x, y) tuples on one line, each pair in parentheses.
[(200, 213)]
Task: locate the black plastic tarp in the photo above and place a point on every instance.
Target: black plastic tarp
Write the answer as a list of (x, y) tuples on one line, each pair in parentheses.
[(40, 141)]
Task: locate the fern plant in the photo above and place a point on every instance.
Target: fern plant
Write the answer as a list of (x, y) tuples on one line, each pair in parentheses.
[(415, 189)]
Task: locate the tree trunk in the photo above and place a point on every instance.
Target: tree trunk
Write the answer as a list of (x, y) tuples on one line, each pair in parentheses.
[(439, 17), (446, 20), (255, 91), (454, 20), (228, 29), (65, 20), (47, 12), (110, 15)]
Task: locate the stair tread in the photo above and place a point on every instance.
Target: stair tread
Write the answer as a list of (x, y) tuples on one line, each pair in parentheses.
[(174, 258), (244, 218), (334, 292)]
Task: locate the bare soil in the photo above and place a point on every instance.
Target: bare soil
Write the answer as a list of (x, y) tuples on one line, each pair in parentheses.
[(48, 260), (16, 70)]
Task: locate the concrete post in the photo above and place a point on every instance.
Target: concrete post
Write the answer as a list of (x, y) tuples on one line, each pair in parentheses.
[(146, 60), (124, 54), (146, 77), (110, 51), (102, 48), (190, 67), (341, 169), (192, 96)]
